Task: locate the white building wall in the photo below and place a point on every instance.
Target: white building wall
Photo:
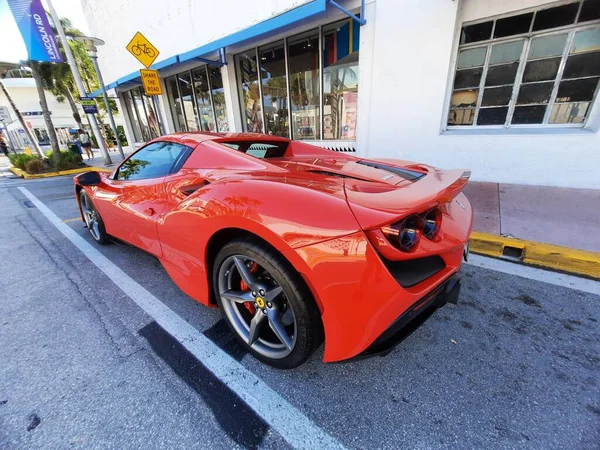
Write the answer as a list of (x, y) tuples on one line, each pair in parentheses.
[(414, 49)]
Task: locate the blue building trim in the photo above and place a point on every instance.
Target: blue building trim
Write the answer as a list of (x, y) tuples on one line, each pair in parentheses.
[(287, 18)]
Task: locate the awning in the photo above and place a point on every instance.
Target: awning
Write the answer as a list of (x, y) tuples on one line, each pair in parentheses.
[(287, 18)]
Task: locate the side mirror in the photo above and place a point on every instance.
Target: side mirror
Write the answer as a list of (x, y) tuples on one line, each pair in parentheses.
[(90, 179)]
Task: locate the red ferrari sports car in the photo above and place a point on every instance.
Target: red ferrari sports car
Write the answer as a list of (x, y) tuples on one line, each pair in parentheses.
[(294, 243)]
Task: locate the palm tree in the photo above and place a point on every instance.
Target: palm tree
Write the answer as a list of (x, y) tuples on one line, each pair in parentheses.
[(35, 71)]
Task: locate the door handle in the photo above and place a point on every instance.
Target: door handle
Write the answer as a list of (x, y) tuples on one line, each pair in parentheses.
[(149, 211)]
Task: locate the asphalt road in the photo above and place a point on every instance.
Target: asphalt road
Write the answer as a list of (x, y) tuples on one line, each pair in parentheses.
[(515, 365)]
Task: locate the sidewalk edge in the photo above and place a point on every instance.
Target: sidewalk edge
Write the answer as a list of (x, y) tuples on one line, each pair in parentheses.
[(21, 173), (563, 259)]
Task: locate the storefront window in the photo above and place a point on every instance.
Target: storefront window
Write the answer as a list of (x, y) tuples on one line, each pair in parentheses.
[(141, 113), (132, 114), (247, 69), (152, 117), (218, 98), (202, 91), (175, 104), (303, 59), (185, 88), (340, 80), (274, 88)]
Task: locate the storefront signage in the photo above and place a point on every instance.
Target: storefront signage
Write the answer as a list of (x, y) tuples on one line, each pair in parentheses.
[(89, 105), (151, 82), (142, 49), (37, 34)]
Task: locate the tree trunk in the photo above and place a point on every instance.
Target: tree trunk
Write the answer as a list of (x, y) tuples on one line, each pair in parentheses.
[(45, 112), (73, 105)]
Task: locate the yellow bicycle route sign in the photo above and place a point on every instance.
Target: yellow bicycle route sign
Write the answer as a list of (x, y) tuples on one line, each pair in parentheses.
[(142, 49), (151, 82)]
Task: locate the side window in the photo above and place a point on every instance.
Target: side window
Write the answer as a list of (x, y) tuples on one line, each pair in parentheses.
[(153, 161)]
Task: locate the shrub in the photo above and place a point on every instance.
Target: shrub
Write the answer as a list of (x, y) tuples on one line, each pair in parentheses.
[(33, 166), (67, 160), (49, 154), (20, 160)]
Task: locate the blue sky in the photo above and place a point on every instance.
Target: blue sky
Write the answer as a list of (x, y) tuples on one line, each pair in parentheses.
[(12, 48)]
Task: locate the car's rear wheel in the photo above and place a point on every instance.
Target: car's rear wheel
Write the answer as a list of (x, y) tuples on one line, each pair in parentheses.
[(266, 304), (92, 219)]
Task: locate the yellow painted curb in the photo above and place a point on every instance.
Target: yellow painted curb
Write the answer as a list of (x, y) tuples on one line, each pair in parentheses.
[(28, 176), (548, 256)]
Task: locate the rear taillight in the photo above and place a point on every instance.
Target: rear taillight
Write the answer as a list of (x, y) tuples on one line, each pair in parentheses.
[(432, 221), (405, 235)]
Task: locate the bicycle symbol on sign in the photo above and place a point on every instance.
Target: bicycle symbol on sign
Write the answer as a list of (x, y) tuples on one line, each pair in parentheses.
[(138, 49)]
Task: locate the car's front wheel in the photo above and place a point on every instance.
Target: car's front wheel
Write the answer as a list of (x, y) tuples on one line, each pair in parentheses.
[(266, 304), (92, 219)]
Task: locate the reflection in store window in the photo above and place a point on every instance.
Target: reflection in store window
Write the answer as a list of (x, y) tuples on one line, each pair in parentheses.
[(185, 88), (175, 104), (303, 62), (218, 98), (340, 80), (249, 91), (274, 87), (204, 105)]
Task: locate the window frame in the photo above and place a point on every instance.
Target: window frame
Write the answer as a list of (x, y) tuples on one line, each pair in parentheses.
[(528, 37), (175, 167)]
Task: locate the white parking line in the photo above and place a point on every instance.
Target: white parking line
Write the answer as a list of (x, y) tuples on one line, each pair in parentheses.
[(297, 429), (555, 278)]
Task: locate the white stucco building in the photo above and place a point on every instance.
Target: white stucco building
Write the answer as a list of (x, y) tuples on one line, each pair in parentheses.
[(506, 88)]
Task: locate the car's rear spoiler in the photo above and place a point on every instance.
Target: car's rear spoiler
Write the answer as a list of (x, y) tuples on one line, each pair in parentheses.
[(375, 207)]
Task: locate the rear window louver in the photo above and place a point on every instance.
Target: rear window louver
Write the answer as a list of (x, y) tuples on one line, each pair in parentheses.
[(407, 174)]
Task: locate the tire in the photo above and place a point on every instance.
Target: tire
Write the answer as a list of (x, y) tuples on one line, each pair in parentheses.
[(93, 221), (273, 272)]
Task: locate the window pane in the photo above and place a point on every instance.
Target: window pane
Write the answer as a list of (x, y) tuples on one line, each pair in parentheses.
[(529, 114), (139, 106), (464, 99), (340, 81), (476, 33), (492, 116), (461, 116), (577, 90), (569, 112), (175, 104), (247, 72), (543, 47), (497, 96), (541, 70), (584, 65), (499, 75), (472, 58), (534, 93), (152, 117), (137, 132), (274, 86), (503, 53), (185, 87), (154, 160), (203, 104), (555, 17), (218, 96), (467, 78), (590, 10), (304, 85), (513, 25), (586, 40)]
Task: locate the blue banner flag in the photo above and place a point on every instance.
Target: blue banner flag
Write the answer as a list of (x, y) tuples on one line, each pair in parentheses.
[(36, 31)]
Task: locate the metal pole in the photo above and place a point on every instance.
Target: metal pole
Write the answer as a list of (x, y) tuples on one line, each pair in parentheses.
[(94, 58), (26, 129), (77, 77)]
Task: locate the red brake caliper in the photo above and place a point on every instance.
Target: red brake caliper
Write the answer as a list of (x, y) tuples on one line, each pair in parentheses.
[(249, 305)]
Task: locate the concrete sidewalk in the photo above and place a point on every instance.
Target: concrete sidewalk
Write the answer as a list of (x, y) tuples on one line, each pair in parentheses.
[(557, 216)]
